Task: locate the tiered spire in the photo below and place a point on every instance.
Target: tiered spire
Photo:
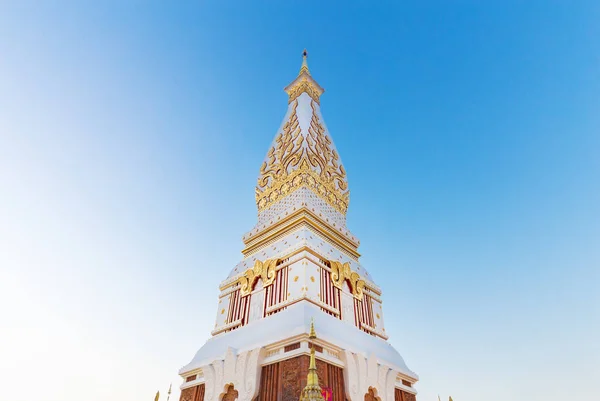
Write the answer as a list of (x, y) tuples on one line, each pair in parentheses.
[(312, 391)]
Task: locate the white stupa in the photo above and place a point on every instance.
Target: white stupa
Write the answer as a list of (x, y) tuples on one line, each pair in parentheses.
[(299, 262)]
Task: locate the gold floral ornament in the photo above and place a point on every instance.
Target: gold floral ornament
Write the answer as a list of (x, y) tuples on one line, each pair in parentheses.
[(341, 272), (321, 154), (297, 160), (285, 154), (264, 270)]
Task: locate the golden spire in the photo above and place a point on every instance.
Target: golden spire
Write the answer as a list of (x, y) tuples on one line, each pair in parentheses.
[(304, 83), (312, 391), (157, 396), (313, 334), (304, 67)]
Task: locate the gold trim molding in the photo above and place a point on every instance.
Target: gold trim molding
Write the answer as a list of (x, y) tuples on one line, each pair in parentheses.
[(295, 220)]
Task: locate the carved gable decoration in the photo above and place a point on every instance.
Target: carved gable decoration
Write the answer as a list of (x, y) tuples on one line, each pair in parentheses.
[(265, 270)]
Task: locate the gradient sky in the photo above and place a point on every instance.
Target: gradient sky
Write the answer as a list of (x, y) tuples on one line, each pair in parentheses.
[(130, 141)]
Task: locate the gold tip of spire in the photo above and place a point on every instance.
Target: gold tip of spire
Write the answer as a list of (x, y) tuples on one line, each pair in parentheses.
[(304, 67)]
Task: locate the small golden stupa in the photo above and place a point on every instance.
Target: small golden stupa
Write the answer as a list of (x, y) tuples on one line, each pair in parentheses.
[(312, 391)]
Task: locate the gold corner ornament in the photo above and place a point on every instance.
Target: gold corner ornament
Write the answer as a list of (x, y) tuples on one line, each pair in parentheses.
[(341, 272), (264, 270), (304, 85), (297, 161)]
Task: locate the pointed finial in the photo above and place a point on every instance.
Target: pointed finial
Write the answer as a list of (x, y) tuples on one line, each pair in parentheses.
[(313, 334), (312, 391), (312, 379), (156, 396), (304, 67)]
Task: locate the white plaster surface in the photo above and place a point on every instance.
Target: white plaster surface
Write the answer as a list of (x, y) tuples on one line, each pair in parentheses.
[(293, 321)]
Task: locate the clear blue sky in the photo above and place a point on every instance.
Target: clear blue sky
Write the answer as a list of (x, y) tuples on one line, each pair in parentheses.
[(130, 141)]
